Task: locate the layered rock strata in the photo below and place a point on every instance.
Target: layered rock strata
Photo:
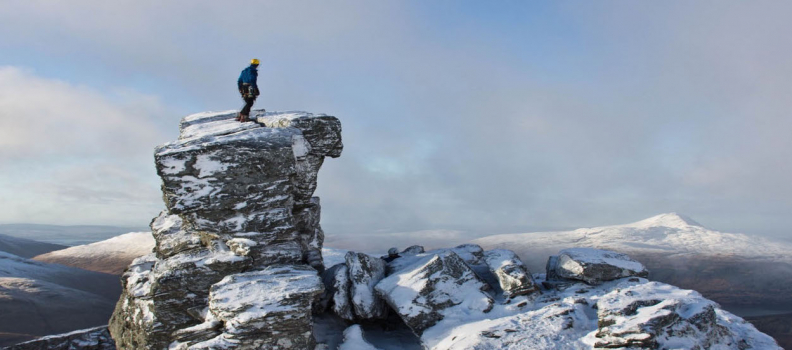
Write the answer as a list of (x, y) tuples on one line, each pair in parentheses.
[(238, 247)]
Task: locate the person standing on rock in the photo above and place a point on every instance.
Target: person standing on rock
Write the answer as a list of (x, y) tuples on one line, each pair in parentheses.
[(248, 88)]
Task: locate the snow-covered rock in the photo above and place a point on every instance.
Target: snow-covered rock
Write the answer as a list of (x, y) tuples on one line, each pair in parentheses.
[(513, 277), (337, 294), (171, 238), (353, 340), (310, 232), (267, 309), (616, 314), (432, 287), (97, 338), (412, 250), (594, 266), (659, 316), (237, 242), (365, 272)]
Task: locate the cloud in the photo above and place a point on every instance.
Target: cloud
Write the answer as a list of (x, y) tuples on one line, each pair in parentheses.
[(42, 117), (472, 118), (72, 154)]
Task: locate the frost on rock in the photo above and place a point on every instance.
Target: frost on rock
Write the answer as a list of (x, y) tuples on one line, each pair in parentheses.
[(594, 266), (433, 286), (364, 273), (513, 277), (238, 200)]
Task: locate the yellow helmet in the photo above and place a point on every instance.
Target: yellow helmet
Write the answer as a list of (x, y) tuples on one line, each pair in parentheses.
[(255, 61)]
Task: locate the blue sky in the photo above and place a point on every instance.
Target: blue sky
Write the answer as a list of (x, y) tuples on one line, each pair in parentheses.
[(470, 116)]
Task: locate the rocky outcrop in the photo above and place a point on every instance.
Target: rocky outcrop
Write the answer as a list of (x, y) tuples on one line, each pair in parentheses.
[(238, 248), (513, 277), (593, 266), (238, 264)]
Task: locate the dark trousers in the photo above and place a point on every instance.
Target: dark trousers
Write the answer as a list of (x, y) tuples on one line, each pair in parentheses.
[(248, 104)]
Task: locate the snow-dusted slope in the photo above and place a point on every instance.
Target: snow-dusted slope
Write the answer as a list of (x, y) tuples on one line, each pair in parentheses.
[(37, 298), (667, 234), (25, 248), (109, 256)]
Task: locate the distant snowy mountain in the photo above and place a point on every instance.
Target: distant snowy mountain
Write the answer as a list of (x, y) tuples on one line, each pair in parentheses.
[(64, 235), (668, 235), (109, 256), (25, 248), (37, 298), (736, 270)]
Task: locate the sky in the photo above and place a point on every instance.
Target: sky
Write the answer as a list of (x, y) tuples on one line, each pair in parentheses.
[(459, 117)]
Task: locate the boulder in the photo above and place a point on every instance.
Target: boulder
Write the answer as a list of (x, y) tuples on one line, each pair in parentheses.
[(365, 272), (337, 295), (473, 256), (412, 250), (513, 276), (595, 266), (433, 286)]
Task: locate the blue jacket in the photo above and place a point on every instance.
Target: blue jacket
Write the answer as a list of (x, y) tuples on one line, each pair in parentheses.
[(249, 75)]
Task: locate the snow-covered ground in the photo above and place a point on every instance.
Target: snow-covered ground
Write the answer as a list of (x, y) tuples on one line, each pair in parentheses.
[(109, 256)]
